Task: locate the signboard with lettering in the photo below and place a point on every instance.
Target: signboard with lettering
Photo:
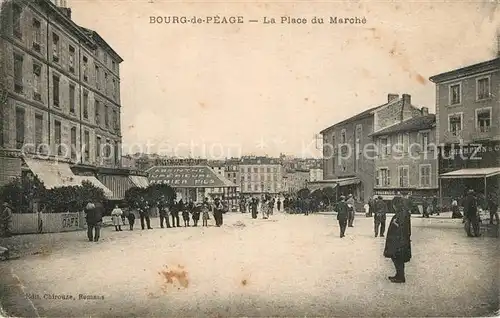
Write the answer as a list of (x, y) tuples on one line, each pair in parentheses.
[(70, 220), (187, 177)]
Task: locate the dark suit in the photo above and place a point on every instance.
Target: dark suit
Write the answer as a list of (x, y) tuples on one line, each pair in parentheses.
[(398, 242), (471, 218), (94, 222), (342, 216), (379, 217)]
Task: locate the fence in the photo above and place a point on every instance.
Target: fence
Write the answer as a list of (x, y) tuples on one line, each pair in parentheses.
[(28, 223)]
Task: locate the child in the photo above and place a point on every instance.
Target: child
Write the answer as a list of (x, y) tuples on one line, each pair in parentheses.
[(131, 219), (206, 211)]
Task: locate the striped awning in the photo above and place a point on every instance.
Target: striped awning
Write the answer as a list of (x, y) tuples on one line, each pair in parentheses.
[(51, 173), (118, 184), (139, 181)]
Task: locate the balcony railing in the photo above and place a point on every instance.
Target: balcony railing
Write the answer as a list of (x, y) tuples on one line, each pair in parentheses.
[(485, 133)]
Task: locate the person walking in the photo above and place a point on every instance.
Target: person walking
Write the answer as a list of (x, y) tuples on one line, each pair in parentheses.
[(253, 208), (342, 215), (398, 242), (116, 216), (93, 216), (470, 213), (352, 210), (379, 217), (6, 220), (492, 208), (278, 205)]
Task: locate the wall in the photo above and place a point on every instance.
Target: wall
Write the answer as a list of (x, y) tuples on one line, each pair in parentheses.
[(468, 107)]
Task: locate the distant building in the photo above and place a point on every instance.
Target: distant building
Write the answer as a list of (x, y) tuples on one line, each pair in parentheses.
[(412, 167), (296, 179), (260, 175), (315, 174), (468, 128), (346, 150)]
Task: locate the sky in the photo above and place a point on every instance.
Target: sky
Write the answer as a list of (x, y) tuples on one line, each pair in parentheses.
[(214, 90)]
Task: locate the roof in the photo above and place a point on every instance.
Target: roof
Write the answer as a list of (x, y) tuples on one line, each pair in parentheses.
[(361, 115), (258, 160), (412, 124), (467, 70), (97, 38), (341, 182), (188, 177), (471, 173)]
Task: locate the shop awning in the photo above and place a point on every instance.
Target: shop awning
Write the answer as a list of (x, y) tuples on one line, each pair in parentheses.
[(188, 177), (52, 174), (471, 173), (139, 181), (348, 181), (118, 184), (107, 192)]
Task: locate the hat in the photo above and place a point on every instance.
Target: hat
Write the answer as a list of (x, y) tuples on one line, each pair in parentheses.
[(380, 197), (342, 197)]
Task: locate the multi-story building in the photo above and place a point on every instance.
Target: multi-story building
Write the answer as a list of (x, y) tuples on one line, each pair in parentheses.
[(260, 175), (296, 179), (60, 85), (346, 145), (468, 128), (232, 171), (407, 158)]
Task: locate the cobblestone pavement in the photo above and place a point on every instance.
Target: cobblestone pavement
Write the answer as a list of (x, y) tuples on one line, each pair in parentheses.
[(292, 265)]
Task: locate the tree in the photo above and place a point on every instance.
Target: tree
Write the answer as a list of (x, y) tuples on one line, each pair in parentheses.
[(303, 193), (331, 194)]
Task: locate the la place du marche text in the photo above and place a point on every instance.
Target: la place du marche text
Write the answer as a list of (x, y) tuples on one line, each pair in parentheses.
[(216, 19)]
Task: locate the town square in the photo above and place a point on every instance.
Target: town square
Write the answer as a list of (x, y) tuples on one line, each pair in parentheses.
[(177, 159)]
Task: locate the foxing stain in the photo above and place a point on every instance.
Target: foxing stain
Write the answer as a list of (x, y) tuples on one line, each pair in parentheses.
[(177, 273)]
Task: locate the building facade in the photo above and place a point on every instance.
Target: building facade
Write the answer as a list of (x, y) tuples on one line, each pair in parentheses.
[(468, 128), (407, 158), (347, 145), (296, 179), (259, 175), (60, 89)]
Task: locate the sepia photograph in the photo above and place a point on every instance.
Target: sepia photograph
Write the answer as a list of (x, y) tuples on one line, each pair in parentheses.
[(225, 158)]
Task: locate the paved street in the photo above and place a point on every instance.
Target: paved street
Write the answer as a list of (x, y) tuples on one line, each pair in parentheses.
[(291, 265)]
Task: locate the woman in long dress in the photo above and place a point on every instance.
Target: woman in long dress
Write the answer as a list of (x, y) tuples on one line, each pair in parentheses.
[(116, 215)]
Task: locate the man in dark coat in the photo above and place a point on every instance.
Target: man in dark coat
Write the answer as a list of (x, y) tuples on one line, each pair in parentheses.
[(470, 213), (278, 205), (144, 214), (93, 216), (179, 207), (163, 211), (379, 216), (253, 208), (218, 210), (425, 206), (493, 207), (398, 242), (342, 215)]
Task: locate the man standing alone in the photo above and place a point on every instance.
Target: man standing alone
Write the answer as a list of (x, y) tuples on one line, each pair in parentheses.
[(470, 212), (380, 216), (342, 215), (93, 216), (351, 210)]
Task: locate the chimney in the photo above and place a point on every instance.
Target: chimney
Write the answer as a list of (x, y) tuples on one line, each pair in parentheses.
[(425, 111), (407, 99), (392, 97)]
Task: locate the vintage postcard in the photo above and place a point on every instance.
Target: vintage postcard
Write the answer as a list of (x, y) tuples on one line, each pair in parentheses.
[(249, 158)]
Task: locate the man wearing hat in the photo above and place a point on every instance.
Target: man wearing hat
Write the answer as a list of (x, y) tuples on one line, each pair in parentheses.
[(342, 215), (470, 213), (351, 210), (93, 216), (379, 216)]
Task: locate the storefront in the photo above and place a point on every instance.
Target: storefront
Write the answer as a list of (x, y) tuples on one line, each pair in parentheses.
[(344, 186), (194, 183)]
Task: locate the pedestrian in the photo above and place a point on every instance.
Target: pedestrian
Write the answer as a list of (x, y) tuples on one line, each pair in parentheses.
[(206, 212), (218, 210), (93, 216), (455, 210), (285, 205), (367, 209), (352, 210), (398, 242), (116, 216), (278, 205), (163, 211), (470, 214), (342, 215), (425, 208), (263, 209), (6, 220), (196, 214), (492, 208), (379, 217), (185, 213), (253, 207), (179, 207), (131, 219), (371, 205), (144, 214), (435, 207)]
